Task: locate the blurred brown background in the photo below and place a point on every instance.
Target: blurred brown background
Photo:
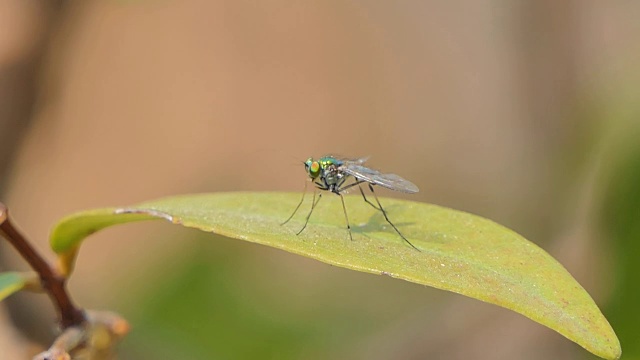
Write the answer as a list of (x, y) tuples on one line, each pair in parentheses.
[(523, 112)]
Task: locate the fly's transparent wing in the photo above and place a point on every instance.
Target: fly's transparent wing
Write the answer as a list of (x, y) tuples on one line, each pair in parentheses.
[(390, 181), (358, 161)]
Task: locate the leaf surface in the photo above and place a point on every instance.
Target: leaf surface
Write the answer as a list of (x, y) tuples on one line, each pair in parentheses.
[(460, 252)]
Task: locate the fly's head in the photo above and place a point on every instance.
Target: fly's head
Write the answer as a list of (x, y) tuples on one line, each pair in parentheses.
[(313, 168)]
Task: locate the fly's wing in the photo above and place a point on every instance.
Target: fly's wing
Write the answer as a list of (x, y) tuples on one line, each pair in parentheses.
[(390, 181), (358, 161)]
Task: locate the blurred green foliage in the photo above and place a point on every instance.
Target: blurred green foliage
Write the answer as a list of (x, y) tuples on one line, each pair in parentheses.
[(10, 282), (621, 216)]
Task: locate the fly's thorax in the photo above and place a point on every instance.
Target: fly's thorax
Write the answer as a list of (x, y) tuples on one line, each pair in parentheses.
[(327, 161), (331, 175)]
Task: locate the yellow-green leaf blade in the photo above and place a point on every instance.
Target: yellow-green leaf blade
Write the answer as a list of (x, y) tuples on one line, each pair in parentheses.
[(460, 252), (71, 230), (11, 282)]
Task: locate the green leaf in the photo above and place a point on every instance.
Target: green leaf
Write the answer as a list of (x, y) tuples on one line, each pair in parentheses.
[(11, 282), (460, 252)]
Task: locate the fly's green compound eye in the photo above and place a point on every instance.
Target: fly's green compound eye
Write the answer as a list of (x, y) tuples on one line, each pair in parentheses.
[(308, 162), (313, 167)]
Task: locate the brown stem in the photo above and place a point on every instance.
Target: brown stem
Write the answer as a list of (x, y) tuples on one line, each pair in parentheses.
[(52, 282)]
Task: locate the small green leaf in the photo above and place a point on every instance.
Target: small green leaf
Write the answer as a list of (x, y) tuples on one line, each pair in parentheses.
[(460, 252), (11, 282)]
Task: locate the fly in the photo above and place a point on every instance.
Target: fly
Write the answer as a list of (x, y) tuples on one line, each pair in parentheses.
[(331, 174)]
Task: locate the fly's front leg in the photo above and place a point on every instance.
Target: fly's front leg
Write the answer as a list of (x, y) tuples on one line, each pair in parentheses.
[(313, 205), (300, 203)]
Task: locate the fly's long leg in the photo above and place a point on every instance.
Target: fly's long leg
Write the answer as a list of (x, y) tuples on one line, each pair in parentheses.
[(367, 200), (313, 205), (343, 188), (297, 207), (387, 218), (344, 208)]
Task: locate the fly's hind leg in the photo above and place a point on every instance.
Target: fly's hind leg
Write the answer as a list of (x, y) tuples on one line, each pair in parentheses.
[(385, 215), (367, 200)]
